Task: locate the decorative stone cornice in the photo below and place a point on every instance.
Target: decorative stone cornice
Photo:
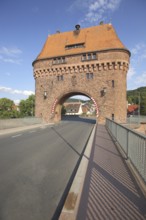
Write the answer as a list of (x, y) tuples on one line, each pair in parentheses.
[(82, 67)]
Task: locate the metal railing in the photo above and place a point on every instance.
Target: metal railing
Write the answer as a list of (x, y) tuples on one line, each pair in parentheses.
[(132, 143), (136, 119)]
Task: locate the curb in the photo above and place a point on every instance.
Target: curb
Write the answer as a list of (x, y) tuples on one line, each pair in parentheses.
[(71, 205)]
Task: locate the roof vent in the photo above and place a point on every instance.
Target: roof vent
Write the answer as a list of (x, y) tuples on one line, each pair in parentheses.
[(101, 23), (77, 27), (77, 30)]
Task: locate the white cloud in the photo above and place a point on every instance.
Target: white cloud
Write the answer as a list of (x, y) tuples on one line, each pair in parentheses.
[(141, 80), (104, 5), (10, 51), (10, 55), (137, 73), (79, 4), (17, 101), (131, 72), (138, 53), (15, 91), (10, 60), (137, 48), (95, 10), (99, 8)]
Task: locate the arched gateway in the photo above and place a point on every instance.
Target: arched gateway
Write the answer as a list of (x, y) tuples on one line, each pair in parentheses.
[(90, 61)]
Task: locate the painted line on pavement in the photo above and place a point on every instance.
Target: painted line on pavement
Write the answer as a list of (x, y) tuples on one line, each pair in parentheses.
[(17, 135), (32, 131)]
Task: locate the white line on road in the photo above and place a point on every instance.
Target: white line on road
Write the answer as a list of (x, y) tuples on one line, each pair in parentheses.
[(17, 135), (32, 131)]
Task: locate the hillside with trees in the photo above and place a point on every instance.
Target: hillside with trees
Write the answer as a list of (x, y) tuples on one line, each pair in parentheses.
[(138, 97)]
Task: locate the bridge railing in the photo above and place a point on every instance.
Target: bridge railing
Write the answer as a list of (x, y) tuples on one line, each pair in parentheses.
[(132, 143), (18, 122)]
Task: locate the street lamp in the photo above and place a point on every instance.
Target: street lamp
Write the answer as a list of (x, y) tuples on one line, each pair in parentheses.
[(103, 91), (45, 94)]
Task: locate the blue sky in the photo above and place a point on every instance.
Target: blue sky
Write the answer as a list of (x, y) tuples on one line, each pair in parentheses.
[(25, 25)]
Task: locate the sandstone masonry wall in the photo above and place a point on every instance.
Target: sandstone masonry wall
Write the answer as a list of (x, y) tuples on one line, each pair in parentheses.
[(107, 70)]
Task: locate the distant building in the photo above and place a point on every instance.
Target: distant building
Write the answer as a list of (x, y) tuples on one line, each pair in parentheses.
[(73, 108), (16, 107), (132, 109), (79, 108)]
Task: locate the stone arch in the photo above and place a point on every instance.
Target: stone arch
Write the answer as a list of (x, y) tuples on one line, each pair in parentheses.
[(58, 102)]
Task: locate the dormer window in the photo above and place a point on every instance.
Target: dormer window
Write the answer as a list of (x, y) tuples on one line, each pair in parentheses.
[(72, 46)]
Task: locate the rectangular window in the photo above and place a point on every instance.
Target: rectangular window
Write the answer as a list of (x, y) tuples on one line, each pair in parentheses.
[(113, 83), (54, 61), (84, 57), (89, 56), (59, 60), (89, 75), (63, 59), (60, 78), (94, 56)]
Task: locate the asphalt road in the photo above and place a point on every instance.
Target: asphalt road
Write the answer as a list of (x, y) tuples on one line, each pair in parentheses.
[(35, 167)]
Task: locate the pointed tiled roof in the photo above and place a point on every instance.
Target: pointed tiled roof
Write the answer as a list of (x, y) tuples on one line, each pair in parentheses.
[(96, 38)]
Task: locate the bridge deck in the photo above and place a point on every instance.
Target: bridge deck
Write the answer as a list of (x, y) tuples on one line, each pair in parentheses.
[(109, 190)]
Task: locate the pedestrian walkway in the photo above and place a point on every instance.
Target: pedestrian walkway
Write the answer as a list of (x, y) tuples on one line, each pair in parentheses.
[(109, 191)]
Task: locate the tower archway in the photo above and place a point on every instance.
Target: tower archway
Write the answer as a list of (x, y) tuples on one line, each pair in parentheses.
[(59, 101)]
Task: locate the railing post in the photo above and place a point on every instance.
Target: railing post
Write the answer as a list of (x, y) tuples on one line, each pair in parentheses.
[(127, 147), (116, 132)]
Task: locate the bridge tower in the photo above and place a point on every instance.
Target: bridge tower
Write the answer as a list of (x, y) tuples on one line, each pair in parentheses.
[(90, 61)]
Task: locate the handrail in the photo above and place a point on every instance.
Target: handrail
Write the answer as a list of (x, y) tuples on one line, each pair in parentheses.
[(132, 143)]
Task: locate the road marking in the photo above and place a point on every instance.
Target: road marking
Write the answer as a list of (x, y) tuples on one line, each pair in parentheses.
[(17, 135), (32, 131)]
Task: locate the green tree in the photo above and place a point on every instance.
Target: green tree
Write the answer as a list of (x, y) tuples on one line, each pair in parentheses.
[(6, 104), (27, 106), (7, 109), (63, 110)]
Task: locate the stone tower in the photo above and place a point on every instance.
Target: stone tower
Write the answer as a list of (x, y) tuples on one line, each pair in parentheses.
[(90, 61)]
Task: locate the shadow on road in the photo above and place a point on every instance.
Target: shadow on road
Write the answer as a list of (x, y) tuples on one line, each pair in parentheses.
[(67, 188), (66, 141)]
